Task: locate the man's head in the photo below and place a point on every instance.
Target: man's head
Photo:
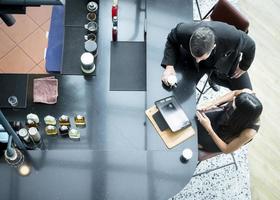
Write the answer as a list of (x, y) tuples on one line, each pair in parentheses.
[(202, 42)]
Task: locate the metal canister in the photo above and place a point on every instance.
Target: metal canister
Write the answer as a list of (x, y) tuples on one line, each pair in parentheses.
[(34, 133), (115, 33), (23, 133)]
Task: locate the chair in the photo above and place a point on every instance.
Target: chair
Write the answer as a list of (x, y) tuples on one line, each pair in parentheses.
[(203, 155), (223, 11)]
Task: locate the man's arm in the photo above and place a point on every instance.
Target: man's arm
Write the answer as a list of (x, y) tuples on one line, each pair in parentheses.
[(171, 48), (248, 49)]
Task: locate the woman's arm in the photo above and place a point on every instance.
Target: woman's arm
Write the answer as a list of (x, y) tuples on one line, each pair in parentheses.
[(223, 99), (245, 136)]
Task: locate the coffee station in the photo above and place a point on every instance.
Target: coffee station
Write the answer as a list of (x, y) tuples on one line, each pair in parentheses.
[(92, 139)]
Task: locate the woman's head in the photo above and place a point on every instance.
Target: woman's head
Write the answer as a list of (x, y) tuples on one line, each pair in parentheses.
[(247, 110), (249, 106)]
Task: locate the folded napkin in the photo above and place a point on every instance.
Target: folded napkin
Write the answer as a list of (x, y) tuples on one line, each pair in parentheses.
[(45, 90)]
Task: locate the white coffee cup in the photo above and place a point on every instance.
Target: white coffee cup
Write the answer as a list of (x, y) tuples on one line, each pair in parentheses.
[(87, 60), (187, 154), (172, 80)]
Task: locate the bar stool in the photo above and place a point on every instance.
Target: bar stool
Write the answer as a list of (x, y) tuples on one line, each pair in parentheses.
[(204, 155)]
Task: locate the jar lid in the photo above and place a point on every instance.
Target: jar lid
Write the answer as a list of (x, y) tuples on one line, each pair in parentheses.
[(33, 131), (90, 46), (22, 132), (87, 58)]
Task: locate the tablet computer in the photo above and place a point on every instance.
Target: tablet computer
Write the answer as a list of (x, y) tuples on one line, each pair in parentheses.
[(173, 113)]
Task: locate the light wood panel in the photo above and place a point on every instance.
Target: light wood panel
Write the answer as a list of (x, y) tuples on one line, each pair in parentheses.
[(264, 152)]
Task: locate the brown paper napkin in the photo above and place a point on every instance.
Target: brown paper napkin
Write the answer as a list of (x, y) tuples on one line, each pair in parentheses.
[(45, 90)]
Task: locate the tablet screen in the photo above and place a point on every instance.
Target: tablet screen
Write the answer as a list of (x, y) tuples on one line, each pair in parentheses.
[(173, 114)]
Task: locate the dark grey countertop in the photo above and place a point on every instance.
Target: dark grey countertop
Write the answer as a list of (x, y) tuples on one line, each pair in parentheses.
[(96, 175), (119, 155)]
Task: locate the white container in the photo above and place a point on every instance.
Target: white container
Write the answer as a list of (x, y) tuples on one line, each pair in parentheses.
[(87, 60), (23, 133), (34, 133)]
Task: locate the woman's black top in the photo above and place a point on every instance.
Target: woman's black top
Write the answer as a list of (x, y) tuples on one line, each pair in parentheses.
[(218, 118)]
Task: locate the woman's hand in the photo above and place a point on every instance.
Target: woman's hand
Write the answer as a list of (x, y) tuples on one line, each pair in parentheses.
[(204, 121)]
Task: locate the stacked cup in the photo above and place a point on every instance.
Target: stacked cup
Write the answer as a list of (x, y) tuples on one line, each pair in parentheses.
[(87, 58)]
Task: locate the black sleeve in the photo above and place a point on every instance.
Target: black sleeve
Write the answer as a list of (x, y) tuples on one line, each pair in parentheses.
[(248, 48), (255, 126), (172, 48)]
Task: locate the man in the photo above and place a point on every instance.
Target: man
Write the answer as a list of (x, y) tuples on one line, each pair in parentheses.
[(210, 47)]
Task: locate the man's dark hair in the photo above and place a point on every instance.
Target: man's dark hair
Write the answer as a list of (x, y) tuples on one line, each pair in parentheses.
[(202, 41)]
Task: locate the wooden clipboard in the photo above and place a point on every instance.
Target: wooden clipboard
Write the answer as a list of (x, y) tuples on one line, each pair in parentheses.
[(171, 139)]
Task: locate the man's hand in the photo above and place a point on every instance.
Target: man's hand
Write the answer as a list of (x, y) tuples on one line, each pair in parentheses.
[(169, 70), (204, 121), (238, 72)]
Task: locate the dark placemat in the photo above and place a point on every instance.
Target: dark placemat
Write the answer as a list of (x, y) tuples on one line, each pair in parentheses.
[(73, 49), (128, 66), (13, 85)]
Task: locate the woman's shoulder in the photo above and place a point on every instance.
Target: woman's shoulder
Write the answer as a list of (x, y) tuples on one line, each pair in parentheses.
[(255, 125)]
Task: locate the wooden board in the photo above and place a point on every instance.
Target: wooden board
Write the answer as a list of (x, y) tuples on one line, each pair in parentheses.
[(171, 139)]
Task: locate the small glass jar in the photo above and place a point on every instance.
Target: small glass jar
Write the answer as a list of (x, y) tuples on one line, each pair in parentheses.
[(64, 120), (80, 120), (63, 130), (51, 130), (74, 134)]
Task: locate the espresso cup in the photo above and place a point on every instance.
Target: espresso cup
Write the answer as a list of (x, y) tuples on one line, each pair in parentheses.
[(92, 6), (87, 63), (186, 155), (91, 16), (91, 26), (90, 36)]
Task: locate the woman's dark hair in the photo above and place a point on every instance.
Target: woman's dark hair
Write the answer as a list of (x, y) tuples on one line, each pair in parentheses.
[(247, 112)]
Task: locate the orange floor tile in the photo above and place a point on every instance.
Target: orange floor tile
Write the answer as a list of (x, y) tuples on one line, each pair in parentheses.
[(23, 45)]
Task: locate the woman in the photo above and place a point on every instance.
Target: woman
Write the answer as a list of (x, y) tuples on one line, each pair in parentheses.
[(232, 126)]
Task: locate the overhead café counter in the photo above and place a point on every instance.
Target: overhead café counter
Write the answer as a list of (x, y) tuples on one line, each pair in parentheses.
[(113, 121), (119, 154), (131, 28), (170, 14), (94, 175)]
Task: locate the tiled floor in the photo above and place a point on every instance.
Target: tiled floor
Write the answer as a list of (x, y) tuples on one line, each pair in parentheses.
[(22, 46)]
